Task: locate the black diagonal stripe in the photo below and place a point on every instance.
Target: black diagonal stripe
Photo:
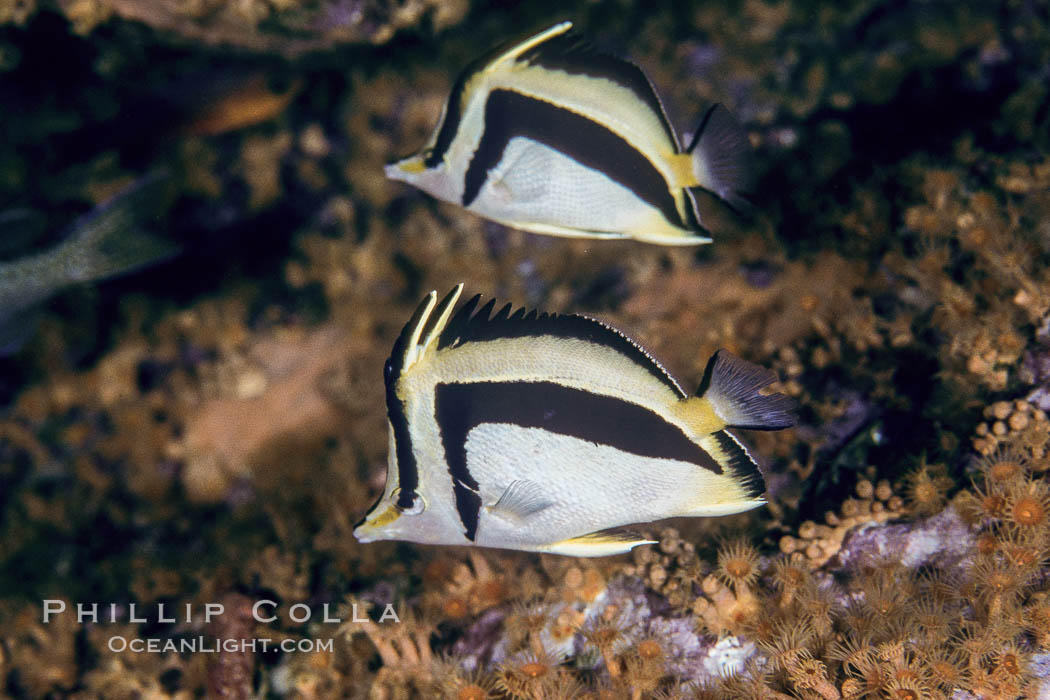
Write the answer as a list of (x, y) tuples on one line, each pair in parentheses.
[(596, 418), (407, 470), (467, 326), (455, 106), (454, 425), (570, 53), (450, 123), (509, 114)]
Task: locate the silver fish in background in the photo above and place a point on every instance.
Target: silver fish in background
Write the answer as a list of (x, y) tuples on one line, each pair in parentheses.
[(106, 242), (552, 136), (544, 432)]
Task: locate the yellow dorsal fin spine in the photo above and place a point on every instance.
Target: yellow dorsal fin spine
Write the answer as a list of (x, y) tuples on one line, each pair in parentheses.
[(444, 311), (412, 350), (517, 50), (430, 320)]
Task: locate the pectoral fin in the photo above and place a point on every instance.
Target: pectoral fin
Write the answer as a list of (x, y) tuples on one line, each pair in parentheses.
[(599, 544), (522, 499)]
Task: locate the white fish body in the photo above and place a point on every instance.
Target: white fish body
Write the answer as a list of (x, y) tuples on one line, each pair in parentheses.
[(541, 432), (553, 137)]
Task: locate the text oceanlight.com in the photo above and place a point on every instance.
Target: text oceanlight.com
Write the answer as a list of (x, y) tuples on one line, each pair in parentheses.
[(209, 645)]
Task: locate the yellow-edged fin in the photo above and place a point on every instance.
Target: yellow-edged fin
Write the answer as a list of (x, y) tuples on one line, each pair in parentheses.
[(439, 319), (598, 544), (563, 231), (426, 325), (559, 67), (670, 237), (406, 345), (518, 49), (474, 75)]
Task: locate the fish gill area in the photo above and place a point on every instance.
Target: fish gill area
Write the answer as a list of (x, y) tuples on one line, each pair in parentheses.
[(209, 429)]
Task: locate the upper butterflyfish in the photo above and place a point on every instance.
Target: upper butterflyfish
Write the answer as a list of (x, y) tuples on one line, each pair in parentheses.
[(552, 136)]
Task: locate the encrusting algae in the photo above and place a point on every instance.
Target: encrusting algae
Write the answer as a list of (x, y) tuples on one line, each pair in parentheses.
[(898, 283)]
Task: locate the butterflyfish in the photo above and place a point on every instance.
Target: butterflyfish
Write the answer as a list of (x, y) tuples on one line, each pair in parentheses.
[(555, 137), (547, 433), (111, 240)]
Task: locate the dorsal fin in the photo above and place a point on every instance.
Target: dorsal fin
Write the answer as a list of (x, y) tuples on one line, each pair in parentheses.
[(467, 326), (570, 52), (466, 83), (533, 43), (422, 330)]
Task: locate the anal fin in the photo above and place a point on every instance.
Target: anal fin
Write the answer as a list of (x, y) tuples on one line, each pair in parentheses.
[(598, 544), (563, 231)]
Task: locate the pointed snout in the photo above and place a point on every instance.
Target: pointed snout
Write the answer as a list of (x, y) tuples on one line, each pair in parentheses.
[(376, 525), (404, 169), (362, 534)]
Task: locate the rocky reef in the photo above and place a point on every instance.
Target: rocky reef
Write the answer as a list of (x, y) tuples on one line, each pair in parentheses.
[(209, 430)]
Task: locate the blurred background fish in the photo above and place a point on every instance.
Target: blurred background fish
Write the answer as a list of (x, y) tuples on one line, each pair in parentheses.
[(109, 241)]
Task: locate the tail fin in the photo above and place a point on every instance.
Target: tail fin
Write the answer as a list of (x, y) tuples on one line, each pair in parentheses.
[(733, 387), (722, 157), (111, 240)]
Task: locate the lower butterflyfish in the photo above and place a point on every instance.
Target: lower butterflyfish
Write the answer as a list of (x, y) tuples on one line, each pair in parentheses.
[(555, 137), (547, 432)]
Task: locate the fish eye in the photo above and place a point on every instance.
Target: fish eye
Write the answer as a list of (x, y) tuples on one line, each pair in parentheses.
[(417, 507), (426, 157)]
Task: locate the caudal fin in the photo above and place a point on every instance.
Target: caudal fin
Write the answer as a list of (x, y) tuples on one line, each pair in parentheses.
[(111, 240), (733, 386), (721, 157)]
